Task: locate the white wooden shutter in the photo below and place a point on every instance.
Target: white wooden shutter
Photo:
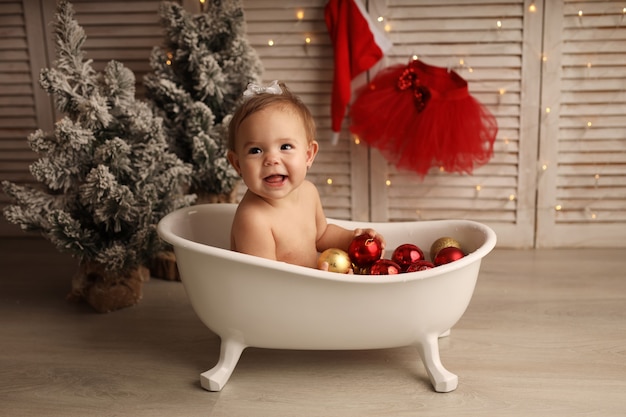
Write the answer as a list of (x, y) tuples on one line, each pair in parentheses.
[(24, 107), (307, 68), (495, 46), (582, 192)]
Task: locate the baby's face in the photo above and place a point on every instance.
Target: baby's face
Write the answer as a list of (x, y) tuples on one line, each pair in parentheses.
[(272, 153)]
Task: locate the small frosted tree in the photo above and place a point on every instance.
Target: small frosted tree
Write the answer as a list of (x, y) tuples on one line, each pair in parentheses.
[(105, 174), (198, 77)]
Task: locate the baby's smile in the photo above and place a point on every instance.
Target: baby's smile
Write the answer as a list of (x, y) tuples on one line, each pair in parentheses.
[(275, 179)]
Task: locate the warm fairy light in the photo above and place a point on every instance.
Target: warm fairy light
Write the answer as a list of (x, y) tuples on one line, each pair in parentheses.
[(202, 1), (307, 40), (388, 183), (502, 91), (270, 42), (588, 64), (580, 13), (589, 124), (499, 24), (415, 57), (470, 69), (511, 197), (593, 216), (478, 188), (544, 167), (300, 14), (547, 109), (169, 58), (380, 19), (168, 62), (461, 62), (387, 27), (329, 181), (597, 177), (532, 8), (357, 141), (558, 207), (544, 57), (442, 169)]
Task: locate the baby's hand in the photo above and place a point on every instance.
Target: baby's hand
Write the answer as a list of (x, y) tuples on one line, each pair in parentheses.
[(372, 233)]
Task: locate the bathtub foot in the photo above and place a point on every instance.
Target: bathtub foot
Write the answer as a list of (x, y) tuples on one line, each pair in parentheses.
[(215, 378), (442, 379)]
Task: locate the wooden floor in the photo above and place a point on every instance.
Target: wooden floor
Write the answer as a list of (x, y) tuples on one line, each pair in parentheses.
[(544, 335)]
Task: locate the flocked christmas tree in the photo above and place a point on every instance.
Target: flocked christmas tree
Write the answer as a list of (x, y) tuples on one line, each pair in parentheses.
[(105, 174), (198, 78)]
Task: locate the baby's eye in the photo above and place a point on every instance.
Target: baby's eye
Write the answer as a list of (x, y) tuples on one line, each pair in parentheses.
[(286, 147), (254, 151)]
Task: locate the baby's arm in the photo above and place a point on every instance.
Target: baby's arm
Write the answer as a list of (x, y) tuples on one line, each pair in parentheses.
[(333, 236), (252, 234)]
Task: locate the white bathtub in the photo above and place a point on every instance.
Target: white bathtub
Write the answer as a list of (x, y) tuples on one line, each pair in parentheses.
[(251, 301)]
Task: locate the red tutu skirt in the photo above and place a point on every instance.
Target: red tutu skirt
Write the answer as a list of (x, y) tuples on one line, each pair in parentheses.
[(421, 116)]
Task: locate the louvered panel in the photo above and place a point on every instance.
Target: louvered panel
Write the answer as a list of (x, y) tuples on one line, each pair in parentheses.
[(124, 30), (584, 203), (307, 69), (23, 106), (485, 42)]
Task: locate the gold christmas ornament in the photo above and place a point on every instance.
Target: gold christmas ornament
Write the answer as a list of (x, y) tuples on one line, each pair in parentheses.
[(338, 260), (443, 242)]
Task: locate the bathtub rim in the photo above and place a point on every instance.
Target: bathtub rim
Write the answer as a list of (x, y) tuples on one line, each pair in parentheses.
[(164, 229)]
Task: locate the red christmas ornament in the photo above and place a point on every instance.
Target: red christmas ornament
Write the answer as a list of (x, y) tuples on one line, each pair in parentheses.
[(406, 254), (447, 255), (384, 267), (364, 250), (421, 265)]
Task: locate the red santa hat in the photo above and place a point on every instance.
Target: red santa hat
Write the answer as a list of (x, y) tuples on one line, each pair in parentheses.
[(358, 45)]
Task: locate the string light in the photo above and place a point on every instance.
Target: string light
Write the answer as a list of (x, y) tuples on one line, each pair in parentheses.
[(357, 140), (380, 19), (388, 183), (532, 8), (580, 13), (499, 24), (307, 40), (300, 14), (270, 42), (329, 181), (548, 109)]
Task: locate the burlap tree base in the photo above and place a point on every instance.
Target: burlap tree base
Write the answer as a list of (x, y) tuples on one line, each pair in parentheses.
[(164, 266), (107, 292)]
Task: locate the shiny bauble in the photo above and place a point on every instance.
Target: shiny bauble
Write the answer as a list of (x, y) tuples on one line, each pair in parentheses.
[(384, 267), (406, 254), (442, 242), (337, 259), (447, 255), (421, 265), (364, 250)]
